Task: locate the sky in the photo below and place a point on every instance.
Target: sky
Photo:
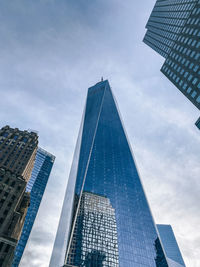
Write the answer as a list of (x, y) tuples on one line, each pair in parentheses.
[(51, 52)]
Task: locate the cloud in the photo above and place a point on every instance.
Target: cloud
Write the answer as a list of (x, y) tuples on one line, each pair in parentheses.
[(51, 52)]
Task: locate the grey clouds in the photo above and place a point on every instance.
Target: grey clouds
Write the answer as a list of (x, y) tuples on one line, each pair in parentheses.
[(51, 52)]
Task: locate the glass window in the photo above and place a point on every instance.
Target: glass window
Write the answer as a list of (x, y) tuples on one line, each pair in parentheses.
[(198, 99), (194, 42), (184, 86), (192, 54), (193, 94), (194, 81), (197, 56), (5, 134), (191, 66), (25, 140), (190, 77), (180, 83)]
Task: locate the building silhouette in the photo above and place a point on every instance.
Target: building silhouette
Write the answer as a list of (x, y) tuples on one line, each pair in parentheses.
[(17, 155), (36, 187), (105, 194), (173, 30), (170, 246)]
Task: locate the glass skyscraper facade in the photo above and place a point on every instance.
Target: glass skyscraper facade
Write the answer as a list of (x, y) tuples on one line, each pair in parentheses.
[(182, 66), (105, 195), (36, 187), (170, 245), (165, 23), (95, 227), (173, 30)]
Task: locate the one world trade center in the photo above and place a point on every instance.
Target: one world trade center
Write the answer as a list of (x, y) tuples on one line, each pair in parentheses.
[(105, 219)]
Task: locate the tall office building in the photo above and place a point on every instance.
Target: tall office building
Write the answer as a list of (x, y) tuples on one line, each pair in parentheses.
[(36, 186), (17, 151), (166, 22), (95, 227), (173, 30), (170, 246), (17, 155), (105, 219)]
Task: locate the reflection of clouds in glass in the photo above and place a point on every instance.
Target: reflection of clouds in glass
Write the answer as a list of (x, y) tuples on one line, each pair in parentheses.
[(49, 57), (107, 175), (94, 240)]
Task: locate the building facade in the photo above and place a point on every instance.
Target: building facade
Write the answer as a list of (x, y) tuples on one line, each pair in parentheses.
[(95, 227), (170, 245), (18, 150), (104, 186), (166, 22), (36, 187), (17, 155), (173, 30)]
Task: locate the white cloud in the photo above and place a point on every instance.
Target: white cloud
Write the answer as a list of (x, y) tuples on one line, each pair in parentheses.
[(51, 52)]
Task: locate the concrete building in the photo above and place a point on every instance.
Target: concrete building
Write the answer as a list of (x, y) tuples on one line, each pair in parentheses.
[(17, 155)]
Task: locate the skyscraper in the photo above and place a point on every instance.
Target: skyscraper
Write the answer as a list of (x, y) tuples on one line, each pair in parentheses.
[(165, 24), (95, 227), (17, 155), (105, 219), (173, 31), (170, 245), (36, 186), (18, 150)]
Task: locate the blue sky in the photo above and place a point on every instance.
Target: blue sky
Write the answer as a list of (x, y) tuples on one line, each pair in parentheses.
[(51, 52)]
